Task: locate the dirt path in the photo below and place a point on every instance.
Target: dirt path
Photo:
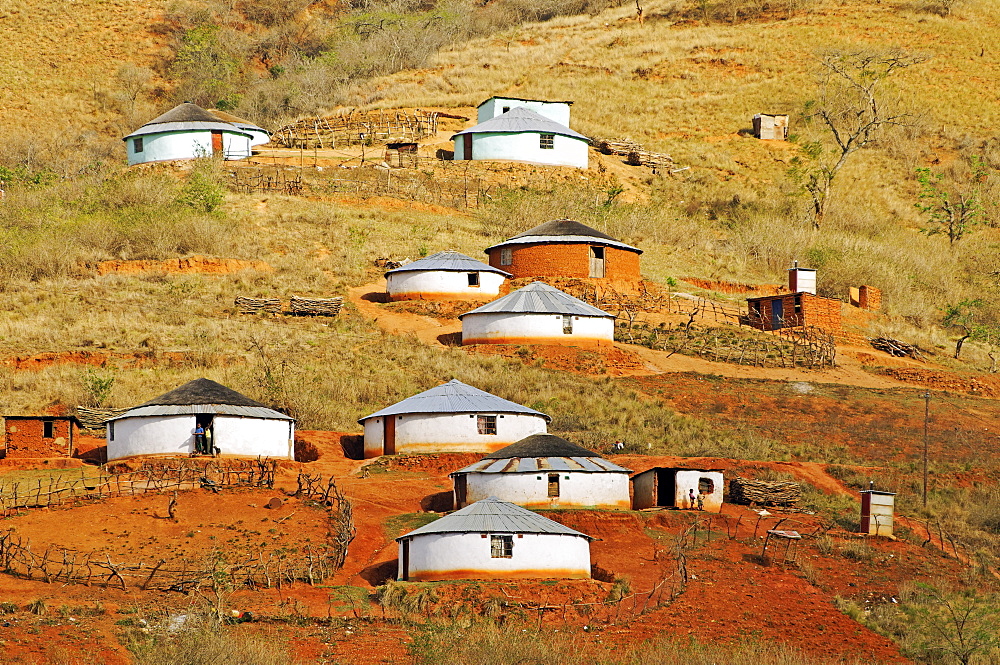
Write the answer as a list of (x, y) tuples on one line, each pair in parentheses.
[(427, 329)]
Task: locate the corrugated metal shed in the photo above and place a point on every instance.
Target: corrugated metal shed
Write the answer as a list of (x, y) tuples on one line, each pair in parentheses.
[(536, 464), (520, 119), (564, 231), (539, 298), (449, 261), (494, 516), (454, 397), (185, 117)]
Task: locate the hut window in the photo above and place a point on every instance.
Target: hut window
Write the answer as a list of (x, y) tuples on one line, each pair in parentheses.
[(705, 486), (487, 424), (547, 141), (501, 547), (798, 304), (755, 308), (111, 431), (47, 427), (553, 485), (137, 144), (473, 279), (506, 108), (567, 322), (506, 256)]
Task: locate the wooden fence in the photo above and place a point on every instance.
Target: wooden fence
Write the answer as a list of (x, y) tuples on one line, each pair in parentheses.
[(260, 569), (358, 128)]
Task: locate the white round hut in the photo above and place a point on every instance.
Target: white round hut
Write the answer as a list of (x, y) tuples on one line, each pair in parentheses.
[(538, 314), (445, 276), (522, 135), (258, 135), (544, 471), (493, 539), (186, 131), (234, 425), (451, 418)]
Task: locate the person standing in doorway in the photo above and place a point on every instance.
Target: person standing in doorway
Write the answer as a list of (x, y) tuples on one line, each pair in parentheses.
[(199, 439), (691, 499)]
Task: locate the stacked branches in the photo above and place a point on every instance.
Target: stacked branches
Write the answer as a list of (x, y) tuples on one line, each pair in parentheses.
[(358, 128), (316, 306), (764, 492)]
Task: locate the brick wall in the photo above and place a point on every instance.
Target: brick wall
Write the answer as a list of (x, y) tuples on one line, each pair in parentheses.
[(814, 311), (869, 298), (24, 437), (567, 260)]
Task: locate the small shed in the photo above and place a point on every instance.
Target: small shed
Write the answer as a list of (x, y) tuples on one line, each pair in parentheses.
[(258, 135), (538, 314), (800, 307), (450, 418), (567, 248), (522, 135), (445, 276), (493, 539), (39, 436), (770, 127), (234, 425), (544, 471), (186, 131), (669, 487), (877, 512), (401, 155), (496, 106)]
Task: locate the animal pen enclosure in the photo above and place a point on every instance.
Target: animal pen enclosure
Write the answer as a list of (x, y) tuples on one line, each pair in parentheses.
[(358, 128)]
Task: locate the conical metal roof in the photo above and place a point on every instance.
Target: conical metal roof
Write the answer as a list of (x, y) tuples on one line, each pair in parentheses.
[(203, 396), (494, 516), (448, 261), (539, 298), (242, 123), (454, 397), (520, 119), (564, 231), (186, 117)]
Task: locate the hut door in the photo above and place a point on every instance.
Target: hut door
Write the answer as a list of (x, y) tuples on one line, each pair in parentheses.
[(666, 487), (777, 314), (553, 486), (597, 262), (216, 142), (389, 436), (467, 146), (461, 490), (406, 561)]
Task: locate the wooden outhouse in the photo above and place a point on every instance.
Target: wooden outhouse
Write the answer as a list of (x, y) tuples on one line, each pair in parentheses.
[(770, 127), (39, 436), (673, 488), (877, 512)]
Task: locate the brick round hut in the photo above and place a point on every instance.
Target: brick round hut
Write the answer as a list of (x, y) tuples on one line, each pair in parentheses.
[(235, 425), (445, 276), (538, 314), (450, 418), (493, 539), (544, 471), (566, 248), (186, 131)]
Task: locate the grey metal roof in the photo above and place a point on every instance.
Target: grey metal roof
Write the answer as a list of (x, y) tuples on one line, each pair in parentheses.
[(494, 516), (185, 117), (541, 464), (520, 119), (203, 396), (522, 99), (565, 231), (449, 261), (539, 298), (454, 397), (237, 121), (190, 409)]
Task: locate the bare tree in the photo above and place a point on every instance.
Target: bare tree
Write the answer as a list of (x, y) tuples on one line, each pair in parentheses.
[(854, 109)]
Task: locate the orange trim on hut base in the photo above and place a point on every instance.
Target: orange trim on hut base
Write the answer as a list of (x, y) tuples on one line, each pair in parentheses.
[(471, 574), (419, 295), (584, 342), (432, 448)]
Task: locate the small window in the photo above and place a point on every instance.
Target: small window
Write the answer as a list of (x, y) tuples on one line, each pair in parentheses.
[(501, 547), (547, 141), (553, 485), (506, 108), (506, 256), (111, 431), (48, 429), (798, 304), (755, 308), (137, 144), (487, 425), (705, 486), (473, 279), (567, 322)]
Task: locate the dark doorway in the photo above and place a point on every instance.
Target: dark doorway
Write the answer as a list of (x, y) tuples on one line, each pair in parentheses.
[(208, 444), (777, 314), (389, 436), (666, 487), (461, 489), (405, 568), (467, 146), (216, 142)]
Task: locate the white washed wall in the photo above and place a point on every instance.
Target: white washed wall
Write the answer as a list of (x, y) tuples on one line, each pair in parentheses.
[(174, 435), (451, 432), (524, 147), (576, 489), (185, 145), (431, 283), (514, 328), (558, 111)]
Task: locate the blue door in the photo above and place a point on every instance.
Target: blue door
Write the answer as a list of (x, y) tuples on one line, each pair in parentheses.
[(777, 314)]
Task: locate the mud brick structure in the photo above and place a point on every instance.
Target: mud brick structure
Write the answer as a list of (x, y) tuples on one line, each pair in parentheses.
[(792, 310), (565, 248), (39, 436), (867, 297)]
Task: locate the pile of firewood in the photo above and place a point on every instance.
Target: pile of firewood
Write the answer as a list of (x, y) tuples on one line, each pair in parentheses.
[(781, 493), (634, 154), (258, 305), (894, 347), (316, 306)]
